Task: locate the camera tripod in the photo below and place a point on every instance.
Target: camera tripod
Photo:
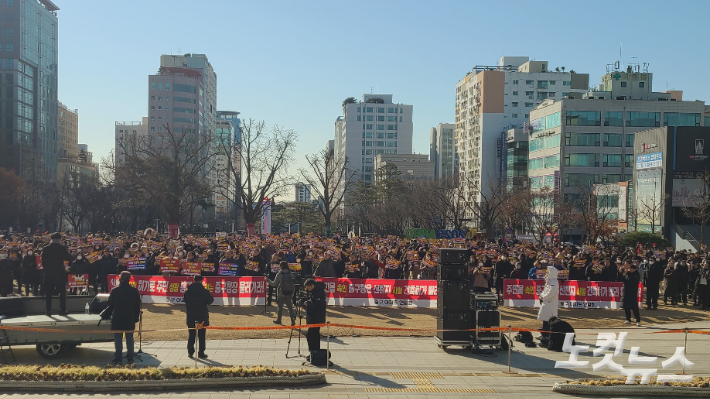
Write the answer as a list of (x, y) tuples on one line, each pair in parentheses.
[(290, 337)]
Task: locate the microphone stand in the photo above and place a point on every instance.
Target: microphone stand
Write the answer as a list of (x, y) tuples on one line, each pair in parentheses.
[(266, 291)]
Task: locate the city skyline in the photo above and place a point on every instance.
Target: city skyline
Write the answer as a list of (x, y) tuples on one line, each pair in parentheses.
[(278, 62)]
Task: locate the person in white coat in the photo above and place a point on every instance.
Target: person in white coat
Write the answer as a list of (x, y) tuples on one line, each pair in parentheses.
[(549, 299)]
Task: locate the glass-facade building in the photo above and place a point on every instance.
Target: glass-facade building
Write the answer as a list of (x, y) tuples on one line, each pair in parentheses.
[(28, 84)]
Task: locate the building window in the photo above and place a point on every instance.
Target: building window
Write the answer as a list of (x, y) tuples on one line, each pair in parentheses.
[(623, 84), (552, 82), (628, 177), (380, 135), (358, 118), (629, 160), (368, 152), (612, 140), (530, 82), (643, 119), (391, 144), (676, 119), (10, 32), (380, 118), (586, 160), (611, 160), (535, 145), (514, 104), (368, 126), (584, 118), (514, 115), (566, 83), (380, 127), (530, 93), (358, 109), (553, 120), (642, 84), (152, 107), (369, 109), (536, 182), (528, 105), (582, 139), (611, 178), (515, 92), (629, 139), (369, 117), (552, 161), (368, 135), (401, 110), (515, 82), (535, 163), (152, 97), (381, 110), (380, 144), (549, 181), (613, 118), (391, 110), (552, 141), (368, 144), (580, 179)]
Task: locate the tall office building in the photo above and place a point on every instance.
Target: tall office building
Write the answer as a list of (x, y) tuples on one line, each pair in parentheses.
[(374, 125), (586, 139), (491, 100), (232, 116), (221, 176), (125, 135), (68, 132), (442, 151), (302, 192), (28, 108), (183, 95)]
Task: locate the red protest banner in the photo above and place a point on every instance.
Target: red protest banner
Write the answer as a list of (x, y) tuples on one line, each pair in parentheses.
[(573, 294), (378, 292), (226, 290)]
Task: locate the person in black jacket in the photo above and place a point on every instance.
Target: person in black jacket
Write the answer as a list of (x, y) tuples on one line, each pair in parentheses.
[(631, 279), (5, 274), (196, 299), (107, 265), (315, 311), (653, 278), (30, 274), (124, 306), (55, 275)]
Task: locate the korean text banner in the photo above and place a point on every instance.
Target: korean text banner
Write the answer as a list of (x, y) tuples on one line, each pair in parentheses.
[(241, 291), (573, 294), (378, 292)]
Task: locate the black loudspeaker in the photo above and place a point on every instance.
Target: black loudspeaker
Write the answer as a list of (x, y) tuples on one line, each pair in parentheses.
[(453, 295), (98, 304), (12, 306), (459, 320), (452, 272), (458, 256), (489, 318)]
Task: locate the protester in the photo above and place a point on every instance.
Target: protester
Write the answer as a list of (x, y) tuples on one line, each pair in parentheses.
[(631, 279), (5, 274), (106, 266), (55, 273), (653, 278), (197, 298), (30, 274), (326, 268), (703, 286), (285, 285), (124, 306)]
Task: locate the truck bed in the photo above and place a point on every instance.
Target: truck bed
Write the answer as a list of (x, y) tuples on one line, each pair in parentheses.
[(78, 328)]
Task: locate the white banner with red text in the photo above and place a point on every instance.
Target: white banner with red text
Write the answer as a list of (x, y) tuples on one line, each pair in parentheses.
[(573, 294), (380, 292), (240, 291)]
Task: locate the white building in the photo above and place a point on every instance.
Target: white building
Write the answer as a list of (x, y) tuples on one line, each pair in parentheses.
[(490, 100), (409, 166), (442, 150), (374, 125), (221, 176), (125, 133), (302, 192)]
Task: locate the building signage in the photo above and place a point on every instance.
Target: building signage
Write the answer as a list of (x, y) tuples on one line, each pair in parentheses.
[(699, 146), (646, 146), (647, 161)]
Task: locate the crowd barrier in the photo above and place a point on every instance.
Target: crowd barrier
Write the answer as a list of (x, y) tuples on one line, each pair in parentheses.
[(573, 294)]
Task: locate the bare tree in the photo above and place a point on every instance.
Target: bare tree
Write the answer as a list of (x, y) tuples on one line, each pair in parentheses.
[(549, 214), (515, 209), (329, 178), (258, 165), (486, 202), (595, 212), (649, 209), (169, 169)]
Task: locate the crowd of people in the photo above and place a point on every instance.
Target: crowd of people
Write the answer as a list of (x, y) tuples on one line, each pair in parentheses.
[(685, 275)]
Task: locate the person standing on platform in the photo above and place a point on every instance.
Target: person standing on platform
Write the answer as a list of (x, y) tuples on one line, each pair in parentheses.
[(55, 273)]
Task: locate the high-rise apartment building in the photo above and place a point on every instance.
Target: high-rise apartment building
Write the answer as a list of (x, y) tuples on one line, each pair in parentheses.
[(491, 100), (302, 192), (68, 132), (442, 150), (409, 166), (586, 139), (374, 125), (221, 176), (28, 63), (183, 95), (126, 134), (232, 116)]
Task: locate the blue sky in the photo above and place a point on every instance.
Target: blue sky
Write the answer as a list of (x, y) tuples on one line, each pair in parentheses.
[(292, 63)]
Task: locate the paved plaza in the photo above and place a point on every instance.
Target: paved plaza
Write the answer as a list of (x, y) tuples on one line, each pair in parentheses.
[(396, 367)]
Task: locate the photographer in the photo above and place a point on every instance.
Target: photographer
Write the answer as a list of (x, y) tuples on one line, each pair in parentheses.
[(315, 311), (285, 287)]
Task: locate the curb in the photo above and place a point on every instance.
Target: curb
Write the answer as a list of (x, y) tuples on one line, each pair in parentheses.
[(160, 385), (631, 390)]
